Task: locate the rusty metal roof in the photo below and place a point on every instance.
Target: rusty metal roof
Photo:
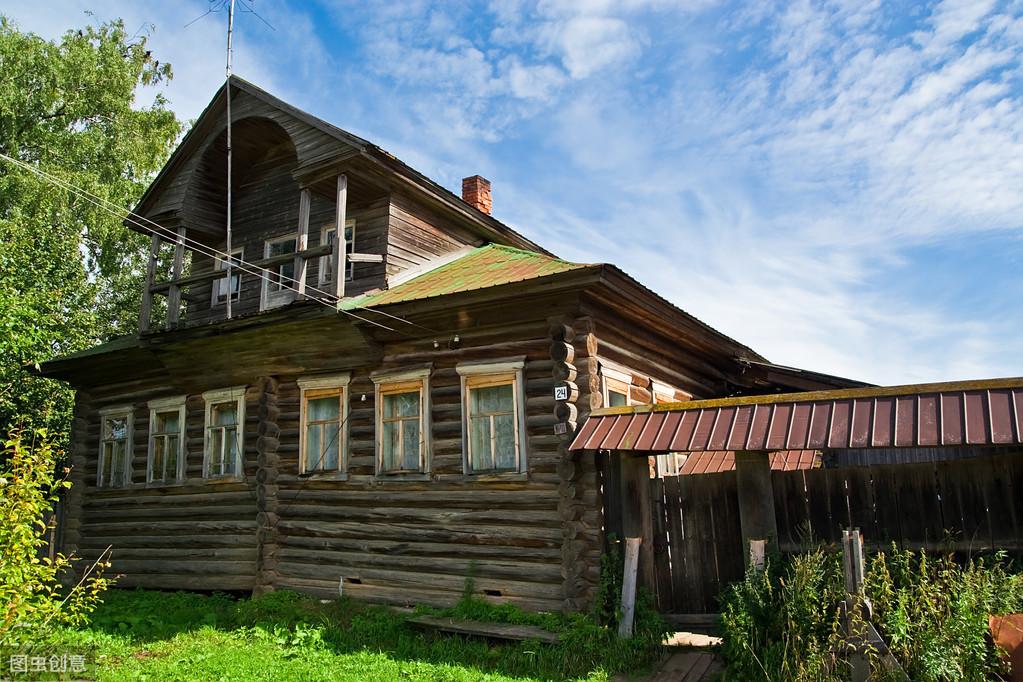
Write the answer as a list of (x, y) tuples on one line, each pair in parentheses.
[(988, 412), (486, 266), (719, 461)]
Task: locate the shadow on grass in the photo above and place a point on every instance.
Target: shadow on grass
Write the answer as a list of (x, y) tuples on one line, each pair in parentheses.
[(345, 627)]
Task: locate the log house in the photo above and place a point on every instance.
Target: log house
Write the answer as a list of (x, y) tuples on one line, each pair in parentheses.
[(393, 443)]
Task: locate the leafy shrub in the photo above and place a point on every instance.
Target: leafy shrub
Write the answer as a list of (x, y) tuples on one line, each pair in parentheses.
[(781, 623), (30, 589), (785, 623), (932, 611)]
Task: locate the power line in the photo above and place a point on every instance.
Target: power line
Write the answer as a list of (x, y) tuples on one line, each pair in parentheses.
[(328, 299), (171, 236)]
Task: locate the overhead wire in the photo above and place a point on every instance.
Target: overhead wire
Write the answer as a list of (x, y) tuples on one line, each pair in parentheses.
[(171, 236)]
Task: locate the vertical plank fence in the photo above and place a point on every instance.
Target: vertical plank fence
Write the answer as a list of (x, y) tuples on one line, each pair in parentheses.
[(965, 505)]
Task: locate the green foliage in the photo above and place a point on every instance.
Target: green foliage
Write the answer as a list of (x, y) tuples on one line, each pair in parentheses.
[(606, 602), (283, 635), (932, 611), (781, 623), (30, 590), (70, 273)]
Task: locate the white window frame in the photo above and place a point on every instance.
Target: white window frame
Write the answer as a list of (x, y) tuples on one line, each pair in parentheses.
[(514, 369), (219, 263), (113, 412), (234, 394), (316, 384), (167, 405), (274, 299), (400, 382), (617, 380), (667, 392), (325, 276)]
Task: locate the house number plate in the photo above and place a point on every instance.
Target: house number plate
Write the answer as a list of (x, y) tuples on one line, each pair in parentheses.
[(561, 392)]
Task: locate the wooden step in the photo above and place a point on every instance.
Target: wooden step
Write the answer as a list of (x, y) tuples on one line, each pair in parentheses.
[(506, 631)]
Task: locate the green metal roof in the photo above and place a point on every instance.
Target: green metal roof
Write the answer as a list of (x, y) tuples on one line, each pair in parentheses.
[(486, 266)]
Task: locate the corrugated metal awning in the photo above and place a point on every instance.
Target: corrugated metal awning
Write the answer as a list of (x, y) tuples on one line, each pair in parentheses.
[(720, 461), (921, 415)]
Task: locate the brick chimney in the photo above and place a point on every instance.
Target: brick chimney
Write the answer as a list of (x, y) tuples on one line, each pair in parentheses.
[(476, 192)]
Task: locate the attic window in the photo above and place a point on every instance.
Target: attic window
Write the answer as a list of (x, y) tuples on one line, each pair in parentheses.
[(220, 286), (327, 236), (279, 285)]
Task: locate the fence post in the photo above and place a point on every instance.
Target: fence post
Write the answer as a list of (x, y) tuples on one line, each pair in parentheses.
[(756, 498)]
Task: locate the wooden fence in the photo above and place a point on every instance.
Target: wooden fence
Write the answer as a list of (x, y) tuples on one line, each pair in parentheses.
[(969, 505)]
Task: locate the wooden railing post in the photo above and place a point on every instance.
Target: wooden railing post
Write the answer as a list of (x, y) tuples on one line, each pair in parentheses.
[(146, 309), (303, 240), (337, 257), (174, 291)]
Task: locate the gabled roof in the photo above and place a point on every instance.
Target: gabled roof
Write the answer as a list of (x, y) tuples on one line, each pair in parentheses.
[(490, 227), (483, 267)]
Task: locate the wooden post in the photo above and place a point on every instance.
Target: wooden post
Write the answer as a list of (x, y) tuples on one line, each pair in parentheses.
[(302, 243), (756, 498), (628, 606), (637, 515), (337, 257), (146, 309), (174, 293)]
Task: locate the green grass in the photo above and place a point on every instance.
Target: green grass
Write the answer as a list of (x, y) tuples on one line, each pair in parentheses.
[(145, 635)]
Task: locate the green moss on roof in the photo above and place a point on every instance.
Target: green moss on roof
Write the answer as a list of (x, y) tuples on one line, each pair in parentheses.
[(486, 266)]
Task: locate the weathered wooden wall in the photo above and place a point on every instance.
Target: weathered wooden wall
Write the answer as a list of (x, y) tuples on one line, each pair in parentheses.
[(197, 535), (966, 505), (417, 235)]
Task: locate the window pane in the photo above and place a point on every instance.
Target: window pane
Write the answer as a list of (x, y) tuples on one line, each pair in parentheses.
[(225, 414), (504, 425), (314, 447), (492, 399), (167, 422), (231, 454), (107, 463), (117, 465), (216, 451), (170, 470), (158, 456), (282, 247), (616, 399), (479, 432), (390, 446), (331, 433), (322, 409), (115, 428), (411, 444), (401, 404)]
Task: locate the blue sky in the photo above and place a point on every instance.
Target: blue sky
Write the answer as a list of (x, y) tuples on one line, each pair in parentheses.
[(838, 185)]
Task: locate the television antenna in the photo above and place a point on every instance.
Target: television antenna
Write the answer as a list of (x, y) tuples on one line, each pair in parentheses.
[(216, 6)]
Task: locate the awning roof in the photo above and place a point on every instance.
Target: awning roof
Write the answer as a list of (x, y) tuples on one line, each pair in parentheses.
[(988, 412), (720, 461)]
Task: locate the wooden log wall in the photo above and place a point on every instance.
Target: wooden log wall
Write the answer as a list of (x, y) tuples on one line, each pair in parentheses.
[(199, 535), (416, 541)]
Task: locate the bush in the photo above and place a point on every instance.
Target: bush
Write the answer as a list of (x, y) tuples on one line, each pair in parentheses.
[(30, 589), (785, 623)]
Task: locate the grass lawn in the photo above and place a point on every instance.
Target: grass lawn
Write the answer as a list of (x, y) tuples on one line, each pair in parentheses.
[(144, 635)]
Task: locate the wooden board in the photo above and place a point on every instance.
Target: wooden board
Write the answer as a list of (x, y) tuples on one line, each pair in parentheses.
[(473, 628)]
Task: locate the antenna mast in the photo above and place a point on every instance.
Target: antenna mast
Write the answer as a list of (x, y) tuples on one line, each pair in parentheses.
[(227, 93)]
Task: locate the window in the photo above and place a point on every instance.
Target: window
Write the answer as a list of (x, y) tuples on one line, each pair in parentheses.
[(279, 284), (220, 286), (402, 407), (115, 446), (323, 439), (327, 236), (617, 385), (492, 417), (166, 461), (663, 393), (224, 439)]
